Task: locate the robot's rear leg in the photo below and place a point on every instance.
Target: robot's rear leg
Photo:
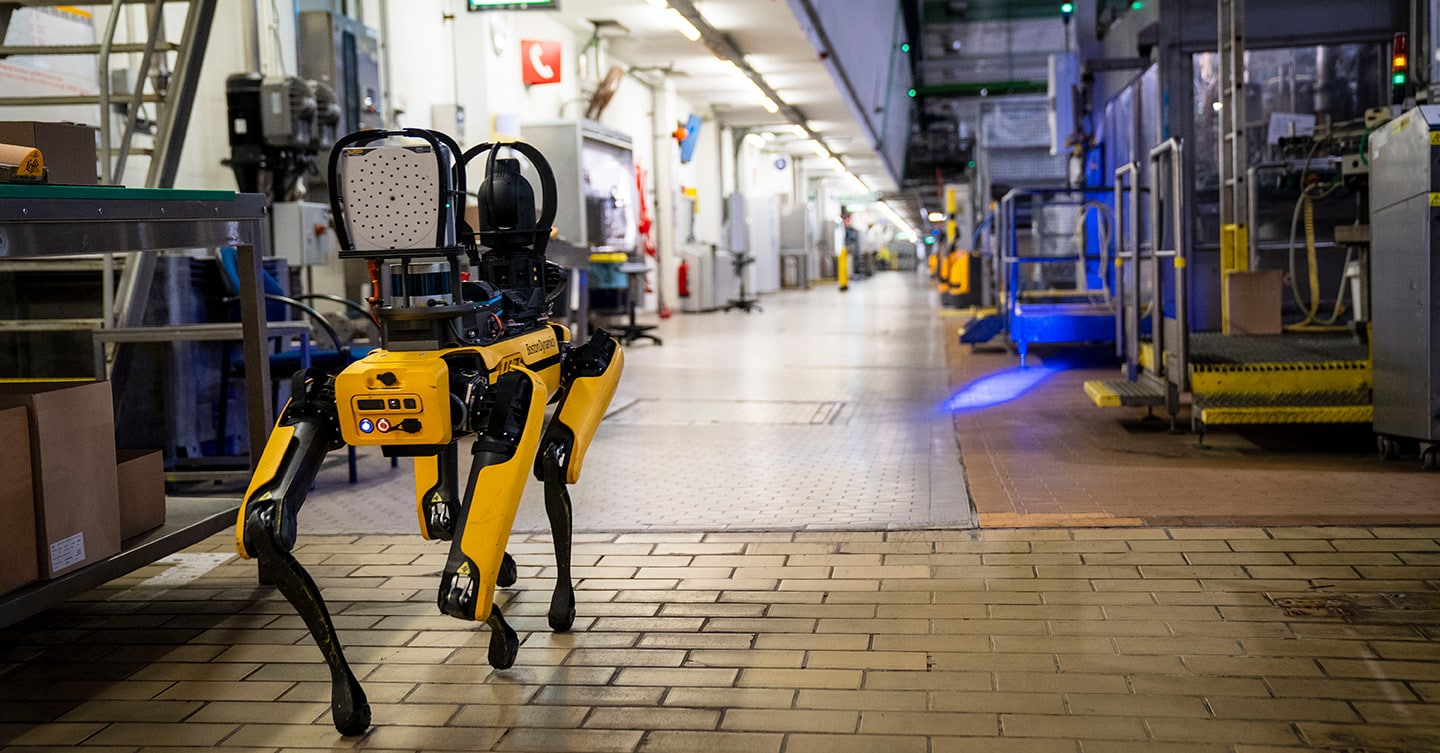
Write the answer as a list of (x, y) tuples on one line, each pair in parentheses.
[(591, 374), (266, 530), (558, 509), (437, 501), (515, 406)]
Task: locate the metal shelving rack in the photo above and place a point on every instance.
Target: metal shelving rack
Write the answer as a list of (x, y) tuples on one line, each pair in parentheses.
[(59, 221)]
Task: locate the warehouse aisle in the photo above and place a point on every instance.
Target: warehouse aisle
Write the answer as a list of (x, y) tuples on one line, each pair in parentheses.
[(693, 635), (823, 411)]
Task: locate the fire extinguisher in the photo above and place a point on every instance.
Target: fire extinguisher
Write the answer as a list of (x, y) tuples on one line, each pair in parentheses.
[(683, 272)]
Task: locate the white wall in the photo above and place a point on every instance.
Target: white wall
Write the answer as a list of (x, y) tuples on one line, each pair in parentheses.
[(428, 60)]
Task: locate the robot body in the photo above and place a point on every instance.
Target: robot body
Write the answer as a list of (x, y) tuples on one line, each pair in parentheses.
[(473, 360)]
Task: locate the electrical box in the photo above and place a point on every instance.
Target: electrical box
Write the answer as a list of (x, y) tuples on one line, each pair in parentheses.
[(344, 53), (302, 233), (1405, 274)]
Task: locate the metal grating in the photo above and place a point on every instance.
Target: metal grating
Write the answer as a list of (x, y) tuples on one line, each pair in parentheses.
[(1212, 348), (717, 412)]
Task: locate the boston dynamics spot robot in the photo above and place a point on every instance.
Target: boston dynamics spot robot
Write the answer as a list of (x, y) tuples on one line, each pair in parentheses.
[(459, 358)]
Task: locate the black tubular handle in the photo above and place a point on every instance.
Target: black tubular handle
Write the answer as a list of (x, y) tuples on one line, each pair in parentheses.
[(454, 172), (549, 193)]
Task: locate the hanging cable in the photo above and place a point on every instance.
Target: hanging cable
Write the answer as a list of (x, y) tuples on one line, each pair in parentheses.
[(1305, 206)]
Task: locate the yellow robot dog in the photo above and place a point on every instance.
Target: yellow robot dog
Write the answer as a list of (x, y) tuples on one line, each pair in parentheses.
[(459, 359)]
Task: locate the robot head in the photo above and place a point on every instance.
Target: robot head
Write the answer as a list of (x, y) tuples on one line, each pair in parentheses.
[(398, 197)]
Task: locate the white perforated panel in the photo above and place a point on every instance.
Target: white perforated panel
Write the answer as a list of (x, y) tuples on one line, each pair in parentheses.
[(392, 197)]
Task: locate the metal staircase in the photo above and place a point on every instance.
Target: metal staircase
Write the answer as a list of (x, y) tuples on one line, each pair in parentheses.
[(170, 75), (165, 80), (1157, 371)]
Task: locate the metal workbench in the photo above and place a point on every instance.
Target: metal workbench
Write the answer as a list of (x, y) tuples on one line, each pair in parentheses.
[(55, 221)]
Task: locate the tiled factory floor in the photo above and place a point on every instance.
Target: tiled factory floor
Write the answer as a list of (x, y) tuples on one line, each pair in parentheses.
[(776, 554)]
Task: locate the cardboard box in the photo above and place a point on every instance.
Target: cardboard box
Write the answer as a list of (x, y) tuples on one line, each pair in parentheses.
[(68, 148), (72, 462), (141, 475), (1254, 302), (18, 564)]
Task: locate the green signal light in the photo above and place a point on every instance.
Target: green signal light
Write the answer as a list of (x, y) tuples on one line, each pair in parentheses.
[(1398, 80), (1067, 8), (905, 47), (912, 93), (1137, 5), (971, 164), (929, 240)]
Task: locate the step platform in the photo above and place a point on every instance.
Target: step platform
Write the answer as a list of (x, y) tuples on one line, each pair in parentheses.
[(1282, 408), (981, 329), (1146, 392)]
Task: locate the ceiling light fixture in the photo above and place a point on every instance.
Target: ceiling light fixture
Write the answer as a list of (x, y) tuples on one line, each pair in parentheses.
[(901, 225), (683, 24), (937, 216)]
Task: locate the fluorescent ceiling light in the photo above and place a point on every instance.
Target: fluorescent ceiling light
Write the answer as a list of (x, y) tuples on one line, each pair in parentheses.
[(769, 104), (900, 225), (819, 149), (659, 4), (683, 24)]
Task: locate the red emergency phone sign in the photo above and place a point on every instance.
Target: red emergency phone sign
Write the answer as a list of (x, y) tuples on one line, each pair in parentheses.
[(540, 62)]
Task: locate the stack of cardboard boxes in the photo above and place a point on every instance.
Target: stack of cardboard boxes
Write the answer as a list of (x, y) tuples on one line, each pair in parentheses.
[(66, 499)]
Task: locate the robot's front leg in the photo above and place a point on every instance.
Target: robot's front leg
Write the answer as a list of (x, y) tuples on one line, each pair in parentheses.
[(508, 423), (437, 502), (590, 375), (265, 529)]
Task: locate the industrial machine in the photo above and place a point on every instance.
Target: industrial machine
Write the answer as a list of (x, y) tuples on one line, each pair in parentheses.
[(1243, 218), (1405, 210), (278, 127), (476, 358)]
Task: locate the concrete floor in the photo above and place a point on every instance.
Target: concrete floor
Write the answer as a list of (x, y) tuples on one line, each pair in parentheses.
[(715, 616)]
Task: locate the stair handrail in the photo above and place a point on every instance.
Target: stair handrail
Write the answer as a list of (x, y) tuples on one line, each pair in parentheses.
[(1173, 150), (102, 75), (132, 114), (1127, 247)]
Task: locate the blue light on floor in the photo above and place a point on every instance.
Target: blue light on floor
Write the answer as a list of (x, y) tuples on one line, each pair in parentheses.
[(997, 388)]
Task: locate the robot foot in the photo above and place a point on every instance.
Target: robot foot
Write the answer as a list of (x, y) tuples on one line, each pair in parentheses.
[(504, 643), (562, 607), (509, 572), (348, 707)]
